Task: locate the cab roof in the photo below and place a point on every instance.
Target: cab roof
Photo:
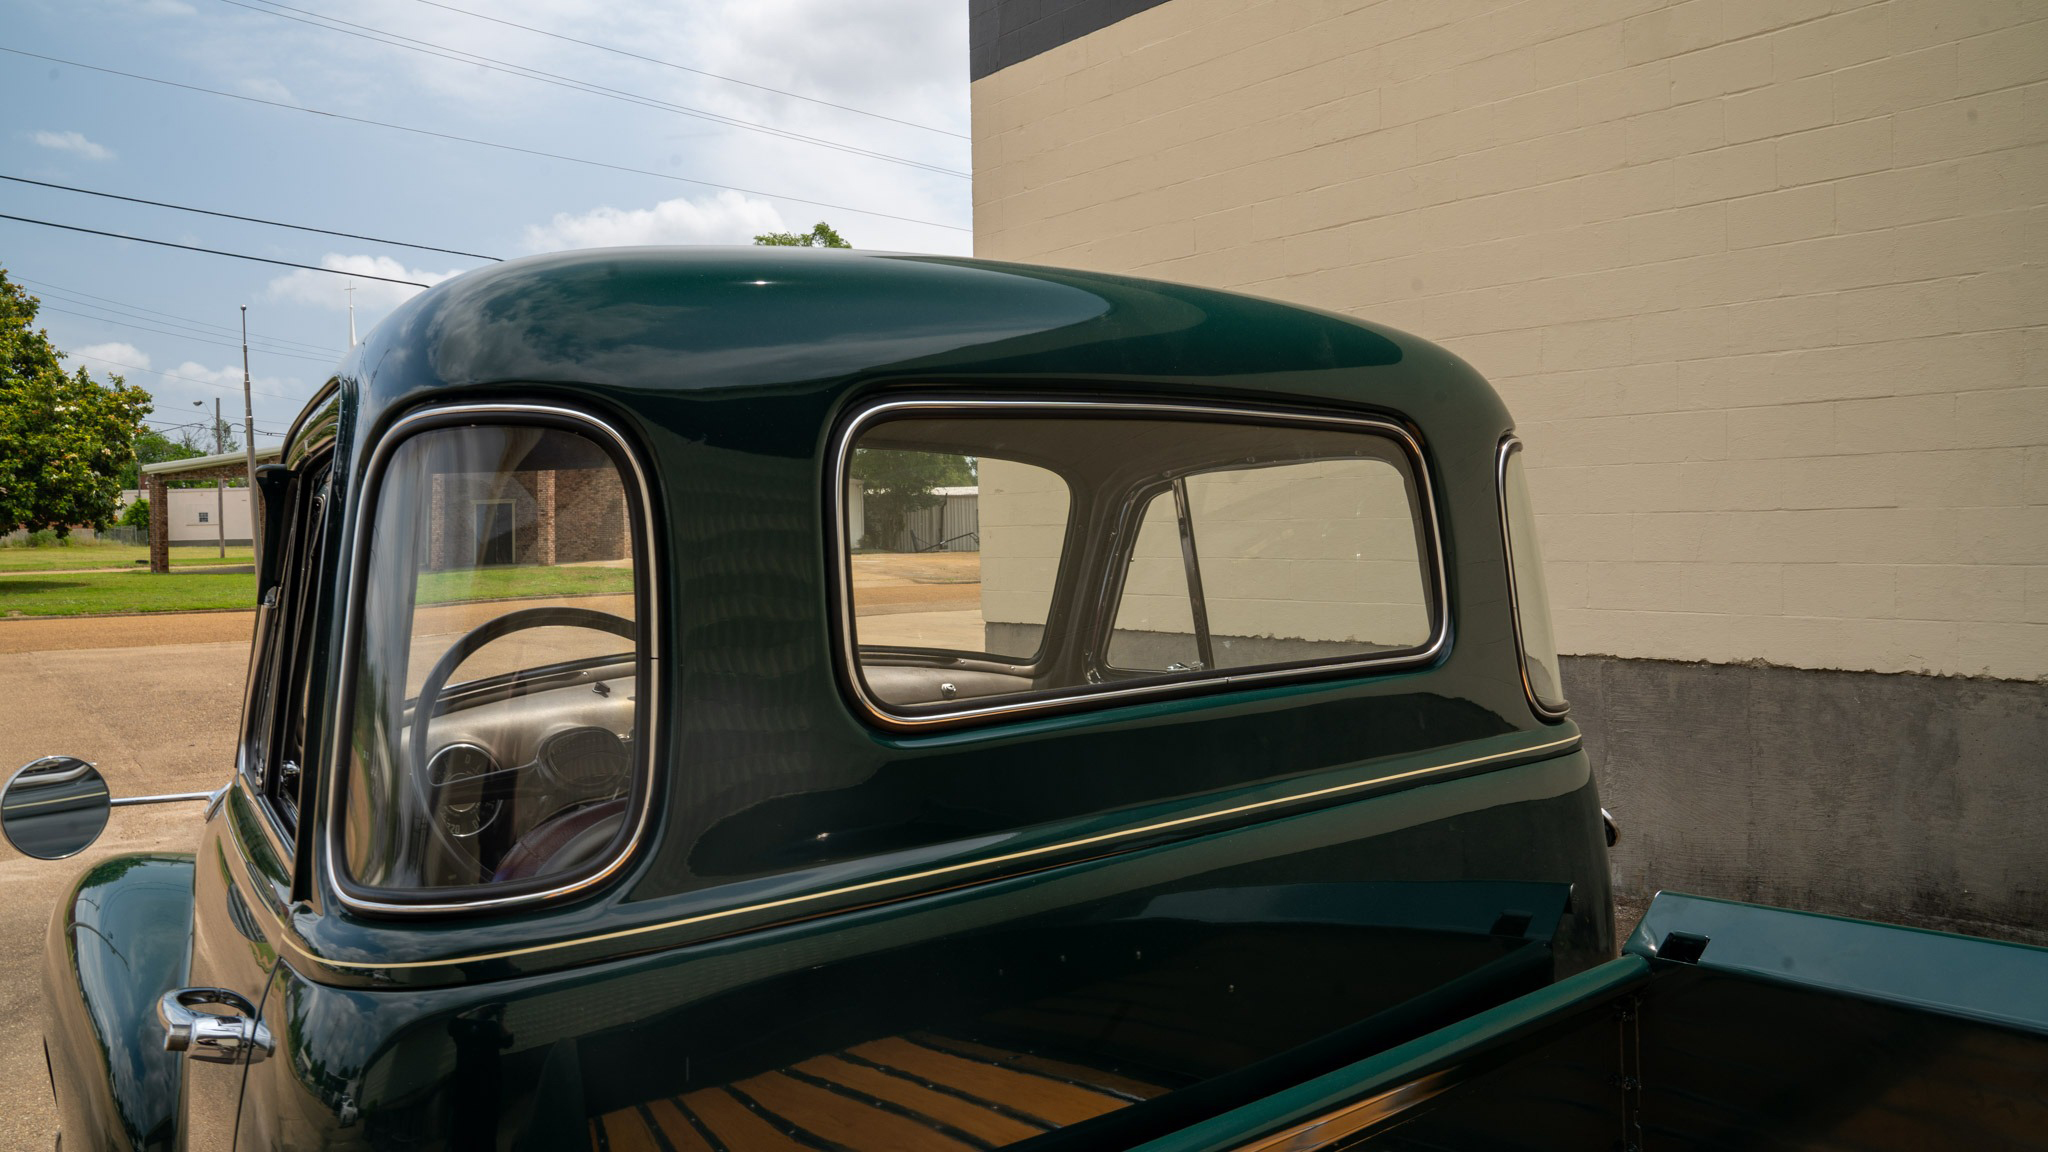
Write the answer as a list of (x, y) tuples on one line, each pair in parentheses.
[(726, 321)]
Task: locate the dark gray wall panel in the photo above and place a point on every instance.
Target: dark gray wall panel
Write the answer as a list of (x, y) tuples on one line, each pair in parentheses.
[(1911, 799), (1002, 32)]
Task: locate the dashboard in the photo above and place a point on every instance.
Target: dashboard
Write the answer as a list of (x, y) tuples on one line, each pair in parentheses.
[(512, 754)]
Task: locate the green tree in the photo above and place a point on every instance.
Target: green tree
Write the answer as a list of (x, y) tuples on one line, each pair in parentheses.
[(136, 514), (894, 484), (209, 439), (153, 447), (65, 439), (823, 235)]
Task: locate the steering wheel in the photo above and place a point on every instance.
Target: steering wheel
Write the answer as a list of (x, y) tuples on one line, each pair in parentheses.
[(427, 704)]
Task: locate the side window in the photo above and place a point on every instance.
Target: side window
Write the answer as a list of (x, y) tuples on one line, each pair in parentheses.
[(293, 720), (1541, 674), (1010, 557), (926, 576), (499, 730), (274, 746), (1155, 616), (1242, 567)]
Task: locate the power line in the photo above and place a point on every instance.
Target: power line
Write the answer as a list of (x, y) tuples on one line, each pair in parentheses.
[(175, 376), (249, 219), (461, 56), (129, 312), (696, 71), (155, 425), (59, 290), (200, 334), (210, 251), (184, 336), (483, 144), (199, 328)]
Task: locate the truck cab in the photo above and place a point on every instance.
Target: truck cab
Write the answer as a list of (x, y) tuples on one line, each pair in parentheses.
[(773, 698)]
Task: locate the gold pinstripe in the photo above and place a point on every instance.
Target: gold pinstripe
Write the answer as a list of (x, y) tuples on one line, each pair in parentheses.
[(949, 869)]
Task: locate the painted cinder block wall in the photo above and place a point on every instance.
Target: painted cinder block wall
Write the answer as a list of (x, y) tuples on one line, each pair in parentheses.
[(1765, 283)]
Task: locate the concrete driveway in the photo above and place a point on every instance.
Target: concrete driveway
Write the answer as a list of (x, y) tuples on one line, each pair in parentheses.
[(154, 700)]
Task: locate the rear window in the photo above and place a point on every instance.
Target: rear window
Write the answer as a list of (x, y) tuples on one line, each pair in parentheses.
[(997, 558)]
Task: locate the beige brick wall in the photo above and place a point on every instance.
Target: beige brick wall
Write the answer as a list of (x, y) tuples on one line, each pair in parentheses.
[(1023, 512), (1764, 281), (1323, 552)]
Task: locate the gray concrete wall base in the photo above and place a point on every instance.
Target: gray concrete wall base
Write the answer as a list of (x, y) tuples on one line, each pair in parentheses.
[(1917, 800)]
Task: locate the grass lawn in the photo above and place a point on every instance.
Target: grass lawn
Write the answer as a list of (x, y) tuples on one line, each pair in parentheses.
[(86, 593), (522, 583), (81, 554), (82, 593)]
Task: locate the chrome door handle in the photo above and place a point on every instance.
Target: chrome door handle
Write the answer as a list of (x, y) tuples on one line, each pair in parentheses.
[(238, 1039)]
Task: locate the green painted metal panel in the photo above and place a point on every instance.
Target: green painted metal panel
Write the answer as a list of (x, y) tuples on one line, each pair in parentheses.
[(1443, 1050), (1992, 981)]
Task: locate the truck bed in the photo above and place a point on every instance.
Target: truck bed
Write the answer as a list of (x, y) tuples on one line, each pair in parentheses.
[(1722, 1025), (918, 1093)]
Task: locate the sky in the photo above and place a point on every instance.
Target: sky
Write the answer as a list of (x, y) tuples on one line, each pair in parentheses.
[(723, 119)]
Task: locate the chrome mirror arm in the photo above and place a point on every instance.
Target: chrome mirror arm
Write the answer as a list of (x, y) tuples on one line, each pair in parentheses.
[(166, 798)]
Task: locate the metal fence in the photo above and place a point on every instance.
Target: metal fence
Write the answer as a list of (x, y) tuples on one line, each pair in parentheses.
[(112, 535), (951, 526)]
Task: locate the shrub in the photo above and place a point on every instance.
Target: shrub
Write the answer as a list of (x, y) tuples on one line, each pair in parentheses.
[(136, 515)]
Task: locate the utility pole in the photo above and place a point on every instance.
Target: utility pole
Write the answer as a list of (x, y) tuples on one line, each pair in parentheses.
[(351, 313), (249, 440), (220, 483)]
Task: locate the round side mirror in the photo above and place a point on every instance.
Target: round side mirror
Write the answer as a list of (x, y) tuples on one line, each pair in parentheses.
[(54, 807)]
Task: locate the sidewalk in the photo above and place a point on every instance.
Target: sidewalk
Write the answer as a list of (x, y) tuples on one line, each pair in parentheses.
[(223, 566), (69, 633)]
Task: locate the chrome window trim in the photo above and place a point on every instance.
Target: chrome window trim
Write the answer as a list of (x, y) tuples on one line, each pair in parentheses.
[(647, 611), (311, 432), (1509, 445), (315, 426), (1092, 696), (267, 618)]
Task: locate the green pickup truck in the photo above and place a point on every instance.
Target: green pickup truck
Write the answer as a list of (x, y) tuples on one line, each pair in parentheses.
[(776, 699)]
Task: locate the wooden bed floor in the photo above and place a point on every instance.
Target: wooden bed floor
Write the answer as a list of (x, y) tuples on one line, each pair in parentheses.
[(915, 1093)]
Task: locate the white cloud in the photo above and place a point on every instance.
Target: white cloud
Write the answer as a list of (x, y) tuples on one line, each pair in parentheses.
[(287, 389), (264, 88), (155, 7), (73, 142), (193, 372), (905, 59), (115, 355), (373, 297), (727, 218), (276, 398), (902, 58)]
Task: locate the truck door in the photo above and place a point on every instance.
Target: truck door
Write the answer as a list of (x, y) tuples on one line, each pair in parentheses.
[(249, 851)]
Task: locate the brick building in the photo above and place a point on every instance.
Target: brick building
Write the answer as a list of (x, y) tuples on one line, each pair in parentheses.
[(1765, 283), (552, 516)]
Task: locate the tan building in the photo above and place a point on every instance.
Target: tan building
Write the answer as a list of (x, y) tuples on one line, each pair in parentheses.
[(198, 516), (205, 516), (1765, 283)]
